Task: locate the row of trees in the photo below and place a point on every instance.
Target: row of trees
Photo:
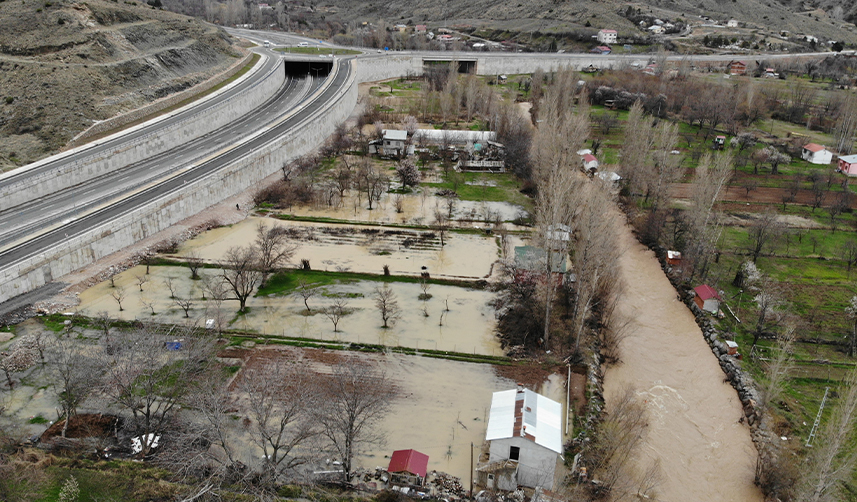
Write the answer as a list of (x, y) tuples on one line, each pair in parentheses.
[(179, 406)]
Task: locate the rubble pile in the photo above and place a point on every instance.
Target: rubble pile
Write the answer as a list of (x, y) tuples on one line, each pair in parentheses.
[(445, 485)]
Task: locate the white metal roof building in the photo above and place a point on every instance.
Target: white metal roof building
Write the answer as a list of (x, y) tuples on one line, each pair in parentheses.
[(526, 427)]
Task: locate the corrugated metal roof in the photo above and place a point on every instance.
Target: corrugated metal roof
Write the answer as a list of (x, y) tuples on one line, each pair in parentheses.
[(851, 159), (410, 461), (704, 292), (395, 134), (526, 414)]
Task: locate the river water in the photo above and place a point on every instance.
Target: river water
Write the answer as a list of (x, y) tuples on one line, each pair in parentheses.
[(693, 429)]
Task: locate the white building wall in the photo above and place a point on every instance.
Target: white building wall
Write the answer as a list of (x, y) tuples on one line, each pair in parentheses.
[(536, 464)]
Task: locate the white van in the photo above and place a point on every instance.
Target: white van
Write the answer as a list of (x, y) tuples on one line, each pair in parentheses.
[(267, 43), (303, 44)]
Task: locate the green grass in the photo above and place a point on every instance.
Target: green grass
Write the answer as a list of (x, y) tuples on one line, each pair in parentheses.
[(287, 282), (317, 50), (114, 480), (507, 188), (38, 419)]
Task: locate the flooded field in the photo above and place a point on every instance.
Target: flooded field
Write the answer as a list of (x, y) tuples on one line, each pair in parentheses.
[(705, 454), (467, 325), (363, 248)]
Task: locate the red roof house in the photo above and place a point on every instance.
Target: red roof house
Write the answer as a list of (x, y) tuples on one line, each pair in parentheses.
[(408, 467), (707, 298), (589, 162), (816, 154)]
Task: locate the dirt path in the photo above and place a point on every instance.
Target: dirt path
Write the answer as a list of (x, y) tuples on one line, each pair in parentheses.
[(693, 429)]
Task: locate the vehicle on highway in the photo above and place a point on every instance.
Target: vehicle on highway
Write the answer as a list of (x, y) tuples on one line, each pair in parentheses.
[(303, 44), (267, 43)]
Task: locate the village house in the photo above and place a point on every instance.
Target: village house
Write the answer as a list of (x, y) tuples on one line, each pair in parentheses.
[(732, 23), (531, 265), (607, 36), (602, 49), (656, 29), (707, 298), (771, 73), (847, 165), (816, 154), (674, 258), (590, 163), (738, 68), (525, 435), (408, 468), (420, 28), (392, 144)]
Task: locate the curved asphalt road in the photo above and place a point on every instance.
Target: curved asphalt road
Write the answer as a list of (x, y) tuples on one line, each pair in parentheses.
[(53, 237)]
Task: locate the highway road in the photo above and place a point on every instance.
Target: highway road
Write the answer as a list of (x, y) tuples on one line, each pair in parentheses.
[(189, 174), (99, 147)]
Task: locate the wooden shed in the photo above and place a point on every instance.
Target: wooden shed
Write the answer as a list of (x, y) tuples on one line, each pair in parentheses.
[(707, 298)]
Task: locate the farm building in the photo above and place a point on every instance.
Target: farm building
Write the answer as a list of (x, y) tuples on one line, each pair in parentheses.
[(525, 433), (408, 467), (607, 36), (393, 144), (847, 165), (590, 162), (530, 264), (816, 154), (674, 258), (738, 68), (707, 298)]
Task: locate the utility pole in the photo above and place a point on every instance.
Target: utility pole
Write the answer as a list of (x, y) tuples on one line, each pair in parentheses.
[(471, 469)]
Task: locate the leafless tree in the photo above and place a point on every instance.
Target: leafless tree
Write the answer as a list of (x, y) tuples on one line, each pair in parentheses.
[(336, 311), (280, 399), (832, 459), (73, 376), (272, 248), (441, 224), (351, 404), (371, 182), (149, 382), (185, 304), (778, 367), (194, 263), (306, 291), (241, 273), (170, 283), (104, 322), (763, 231), (148, 303), (768, 302), (140, 280), (387, 304), (119, 294), (711, 177), (848, 253)]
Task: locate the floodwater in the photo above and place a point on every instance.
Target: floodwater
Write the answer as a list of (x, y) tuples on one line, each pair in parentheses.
[(467, 326), (416, 209), (363, 248), (693, 429)]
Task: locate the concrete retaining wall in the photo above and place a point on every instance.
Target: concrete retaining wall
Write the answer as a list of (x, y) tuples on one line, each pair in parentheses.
[(169, 209), (188, 129)]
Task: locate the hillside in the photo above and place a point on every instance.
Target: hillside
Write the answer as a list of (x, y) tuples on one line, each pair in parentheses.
[(66, 64), (828, 19)]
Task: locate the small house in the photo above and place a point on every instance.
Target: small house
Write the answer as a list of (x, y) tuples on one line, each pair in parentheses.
[(656, 29), (420, 28), (731, 348), (847, 165), (771, 73), (590, 163), (525, 435), (732, 23), (816, 154), (719, 141), (408, 467), (738, 68), (601, 49), (707, 298), (607, 37), (674, 258), (393, 144), (531, 265)]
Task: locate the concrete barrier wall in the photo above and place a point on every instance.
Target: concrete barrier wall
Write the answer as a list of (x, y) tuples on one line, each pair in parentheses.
[(386, 66), (160, 213), (188, 129)]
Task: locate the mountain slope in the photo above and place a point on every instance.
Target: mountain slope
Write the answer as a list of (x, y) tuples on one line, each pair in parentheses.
[(65, 65)]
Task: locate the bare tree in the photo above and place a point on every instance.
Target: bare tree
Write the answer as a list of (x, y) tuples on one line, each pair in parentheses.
[(119, 294), (387, 304), (240, 272), (140, 280), (272, 248), (280, 400), (352, 402), (185, 304), (336, 311), (764, 230), (832, 459), (371, 182), (73, 376), (104, 322), (194, 263), (768, 301), (778, 367), (149, 382), (441, 224), (306, 291), (848, 253), (711, 177)]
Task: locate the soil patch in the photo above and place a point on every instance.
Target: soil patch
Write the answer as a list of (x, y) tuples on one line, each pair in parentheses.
[(83, 426)]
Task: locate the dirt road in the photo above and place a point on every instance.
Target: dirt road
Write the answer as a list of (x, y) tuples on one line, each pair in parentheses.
[(693, 429)]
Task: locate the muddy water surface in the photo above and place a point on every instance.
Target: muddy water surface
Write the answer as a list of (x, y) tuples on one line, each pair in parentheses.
[(363, 249), (704, 453)]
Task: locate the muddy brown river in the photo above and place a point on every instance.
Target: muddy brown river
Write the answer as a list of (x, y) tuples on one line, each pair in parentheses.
[(693, 429)]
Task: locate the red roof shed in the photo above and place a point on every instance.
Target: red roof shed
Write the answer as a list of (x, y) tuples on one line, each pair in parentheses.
[(410, 461), (705, 292)]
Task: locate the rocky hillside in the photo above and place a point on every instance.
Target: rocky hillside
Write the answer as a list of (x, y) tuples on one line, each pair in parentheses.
[(824, 19), (66, 64)]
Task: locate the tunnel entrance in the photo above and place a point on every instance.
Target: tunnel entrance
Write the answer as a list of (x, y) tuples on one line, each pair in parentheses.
[(462, 65), (302, 68)]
